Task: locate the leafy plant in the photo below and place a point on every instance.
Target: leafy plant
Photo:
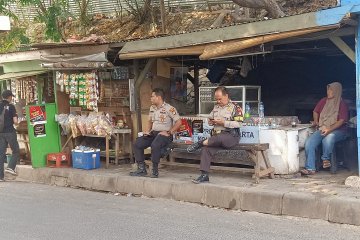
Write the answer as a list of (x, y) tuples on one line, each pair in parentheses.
[(52, 15), (10, 41)]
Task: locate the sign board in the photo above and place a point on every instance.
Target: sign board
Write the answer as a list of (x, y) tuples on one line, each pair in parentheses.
[(120, 73), (39, 130), (37, 114), (249, 134), (4, 23)]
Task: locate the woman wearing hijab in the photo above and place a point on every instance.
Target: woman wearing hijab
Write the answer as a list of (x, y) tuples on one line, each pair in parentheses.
[(330, 115)]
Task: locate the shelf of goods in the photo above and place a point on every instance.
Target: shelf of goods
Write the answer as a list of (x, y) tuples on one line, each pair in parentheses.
[(239, 94)]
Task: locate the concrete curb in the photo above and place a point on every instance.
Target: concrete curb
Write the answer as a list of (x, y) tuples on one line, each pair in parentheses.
[(334, 209)]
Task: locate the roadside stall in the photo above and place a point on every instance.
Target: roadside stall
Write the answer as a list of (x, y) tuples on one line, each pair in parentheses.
[(95, 105)]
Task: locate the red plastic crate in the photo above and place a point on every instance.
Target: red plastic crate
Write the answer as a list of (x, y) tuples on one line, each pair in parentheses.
[(58, 160)]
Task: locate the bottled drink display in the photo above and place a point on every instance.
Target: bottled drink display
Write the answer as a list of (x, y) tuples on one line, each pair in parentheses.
[(261, 110), (247, 110)]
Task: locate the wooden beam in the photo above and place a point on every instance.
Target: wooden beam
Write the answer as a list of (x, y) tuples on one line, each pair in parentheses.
[(219, 20), (189, 51), (341, 32), (142, 74), (344, 47), (190, 78), (229, 47)]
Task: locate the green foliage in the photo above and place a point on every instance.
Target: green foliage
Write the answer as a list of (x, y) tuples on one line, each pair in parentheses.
[(52, 16), (11, 40)]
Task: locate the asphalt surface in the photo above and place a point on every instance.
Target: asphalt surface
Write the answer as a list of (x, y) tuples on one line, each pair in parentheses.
[(32, 211)]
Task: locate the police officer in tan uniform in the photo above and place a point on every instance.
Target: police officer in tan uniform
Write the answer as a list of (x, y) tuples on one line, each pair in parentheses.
[(226, 118), (158, 133)]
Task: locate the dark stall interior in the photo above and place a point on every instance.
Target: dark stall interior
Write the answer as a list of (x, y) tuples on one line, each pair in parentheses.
[(294, 77)]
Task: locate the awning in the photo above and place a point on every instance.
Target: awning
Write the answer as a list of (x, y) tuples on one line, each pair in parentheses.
[(7, 76), (238, 36), (220, 49)]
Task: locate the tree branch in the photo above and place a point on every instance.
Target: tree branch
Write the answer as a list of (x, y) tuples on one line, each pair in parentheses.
[(269, 5)]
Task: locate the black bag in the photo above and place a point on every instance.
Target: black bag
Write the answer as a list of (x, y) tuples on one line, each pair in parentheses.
[(2, 119)]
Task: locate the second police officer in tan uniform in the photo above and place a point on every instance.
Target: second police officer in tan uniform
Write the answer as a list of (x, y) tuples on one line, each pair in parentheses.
[(163, 122), (226, 118)]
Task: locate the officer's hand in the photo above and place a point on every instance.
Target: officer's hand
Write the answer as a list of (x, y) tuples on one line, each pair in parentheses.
[(219, 121), (164, 133)]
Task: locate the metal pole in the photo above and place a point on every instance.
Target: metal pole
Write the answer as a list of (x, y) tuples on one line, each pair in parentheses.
[(196, 88), (357, 47)]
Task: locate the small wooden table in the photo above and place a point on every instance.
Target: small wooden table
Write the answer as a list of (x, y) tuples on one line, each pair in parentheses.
[(123, 132), (116, 134)]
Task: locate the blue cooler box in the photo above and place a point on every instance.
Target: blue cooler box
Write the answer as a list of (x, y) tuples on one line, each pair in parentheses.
[(86, 159)]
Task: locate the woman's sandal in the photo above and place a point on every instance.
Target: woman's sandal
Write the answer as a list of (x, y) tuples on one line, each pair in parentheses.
[(307, 172), (326, 164)]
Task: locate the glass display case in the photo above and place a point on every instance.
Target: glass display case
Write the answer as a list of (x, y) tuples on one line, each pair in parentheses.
[(239, 94)]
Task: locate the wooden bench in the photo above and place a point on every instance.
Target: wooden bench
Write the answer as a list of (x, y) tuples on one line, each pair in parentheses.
[(244, 154)]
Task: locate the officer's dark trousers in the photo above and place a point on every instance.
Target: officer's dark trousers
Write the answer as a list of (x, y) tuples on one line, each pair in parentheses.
[(218, 142), (156, 141), (11, 140)]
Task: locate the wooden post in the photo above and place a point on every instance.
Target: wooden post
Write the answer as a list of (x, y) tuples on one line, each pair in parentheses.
[(163, 16), (196, 88), (137, 97), (107, 154), (138, 83), (117, 148)]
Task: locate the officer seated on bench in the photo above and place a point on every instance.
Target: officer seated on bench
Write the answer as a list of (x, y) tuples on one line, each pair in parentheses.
[(158, 134), (226, 118)]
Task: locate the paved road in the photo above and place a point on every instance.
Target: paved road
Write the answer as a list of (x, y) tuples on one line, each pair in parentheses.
[(32, 211)]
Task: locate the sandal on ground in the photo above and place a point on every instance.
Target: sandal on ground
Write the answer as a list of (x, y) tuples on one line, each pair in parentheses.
[(326, 164), (307, 172)]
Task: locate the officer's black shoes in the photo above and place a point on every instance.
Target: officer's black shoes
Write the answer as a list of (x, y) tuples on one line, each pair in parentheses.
[(195, 146), (140, 172), (155, 171), (203, 178), (154, 174)]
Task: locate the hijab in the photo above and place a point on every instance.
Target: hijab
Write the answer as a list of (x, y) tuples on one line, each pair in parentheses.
[(330, 112)]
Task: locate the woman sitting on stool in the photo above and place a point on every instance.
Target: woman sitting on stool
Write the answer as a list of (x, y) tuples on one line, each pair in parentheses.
[(330, 115)]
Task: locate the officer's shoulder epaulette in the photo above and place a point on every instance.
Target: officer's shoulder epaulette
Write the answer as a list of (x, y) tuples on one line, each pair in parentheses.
[(152, 108)]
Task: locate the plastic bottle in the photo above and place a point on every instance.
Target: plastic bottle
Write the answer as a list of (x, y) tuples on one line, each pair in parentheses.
[(247, 111), (261, 110)]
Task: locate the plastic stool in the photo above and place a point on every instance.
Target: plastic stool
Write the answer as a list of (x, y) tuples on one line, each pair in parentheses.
[(58, 160)]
